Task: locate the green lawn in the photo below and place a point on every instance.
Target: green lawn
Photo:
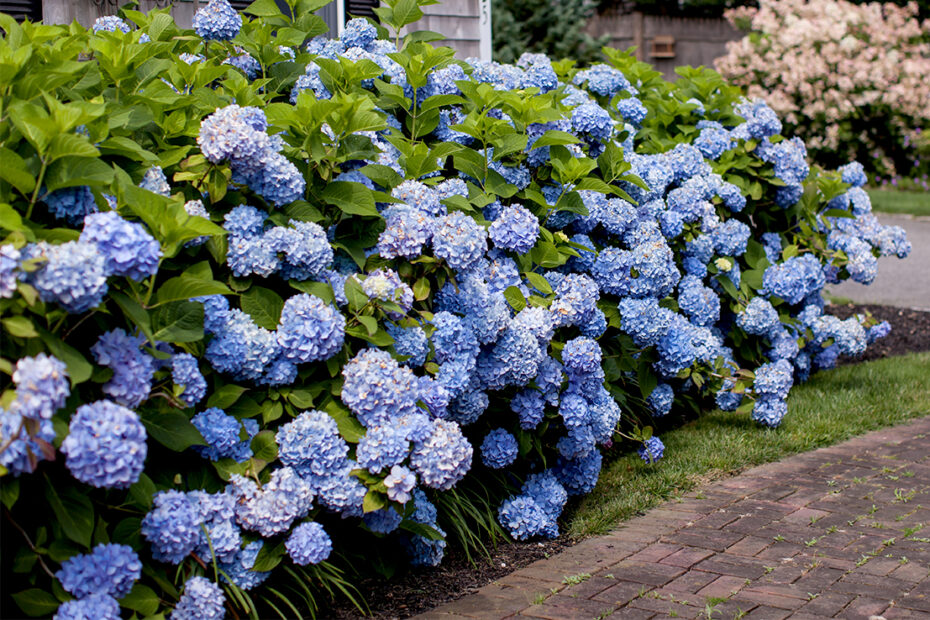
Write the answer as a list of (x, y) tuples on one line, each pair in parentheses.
[(830, 408), (897, 201)]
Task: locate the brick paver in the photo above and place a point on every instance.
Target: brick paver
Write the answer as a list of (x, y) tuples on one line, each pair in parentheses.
[(841, 532)]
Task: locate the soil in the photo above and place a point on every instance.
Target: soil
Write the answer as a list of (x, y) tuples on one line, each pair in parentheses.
[(418, 591), (910, 331)]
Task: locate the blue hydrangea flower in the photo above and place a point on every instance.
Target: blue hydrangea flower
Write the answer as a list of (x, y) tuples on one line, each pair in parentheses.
[(548, 493), (202, 599), (529, 405), (383, 521), (105, 446), (499, 449), (459, 240), (774, 379), (92, 607), (311, 444), (218, 522), (129, 250), (358, 32), (310, 330), (240, 347), (305, 250), (218, 21), (661, 399), (515, 229), (400, 483), (172, 526), (878, 331), (698, 302), (308, 543), (386, 285), (74, 274), (271, 509), (761, 120), (423, 551), (71, 203), (420, 197), (42, 386), (592, 121), (24, 452), (713, 140), (382, 447), (109, 569), (602, 80), (443, 457), (109, 23), (644, 320), (522, 517), (411, 342), (632, 110), (244, 61), (132, 367), (652, 450), (9, 266), (579, 475), (795, 279), (239, 569), (406, 232), (186, 375), (377, 388), (854, 174), (769, 411), (730, 238), (759, 317), (222, 434), (155, 181)]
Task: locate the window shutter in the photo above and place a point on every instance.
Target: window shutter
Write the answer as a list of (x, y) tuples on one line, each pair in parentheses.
[(22, 9)]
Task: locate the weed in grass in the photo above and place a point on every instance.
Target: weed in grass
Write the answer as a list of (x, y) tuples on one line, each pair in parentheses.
[(811, 596), (903, 560), (908, 531), (605, 614), (873, 509), (609, 576), (739, 614), (908, 474), (710, 606), (858, 480), (540, 598), (812, 541), (830, 408), (889, 542), (815, 519), (778, 538), (768, 569), (832, 529), (920, 540), (574, 580), (900, 495)]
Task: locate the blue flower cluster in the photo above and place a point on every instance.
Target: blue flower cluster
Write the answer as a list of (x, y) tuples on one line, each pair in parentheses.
[(105, 446), (218, 21), (239, 135), (308, 544), (202, 599), (109, 569)]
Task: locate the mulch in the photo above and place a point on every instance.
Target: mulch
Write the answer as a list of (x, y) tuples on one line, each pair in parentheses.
[(910, 330), (417, 591)]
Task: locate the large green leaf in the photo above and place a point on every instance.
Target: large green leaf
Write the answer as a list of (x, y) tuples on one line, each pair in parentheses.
[(179, 321), (73, 511), (351, 198), (263, 305), (185, 288), (142, 599), (172, 429), (35, 602)]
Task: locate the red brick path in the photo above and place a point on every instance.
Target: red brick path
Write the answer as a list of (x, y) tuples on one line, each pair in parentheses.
[(841, 532)]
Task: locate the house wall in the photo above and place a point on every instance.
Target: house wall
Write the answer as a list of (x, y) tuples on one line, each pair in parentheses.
[(459, 20), (698, 41)]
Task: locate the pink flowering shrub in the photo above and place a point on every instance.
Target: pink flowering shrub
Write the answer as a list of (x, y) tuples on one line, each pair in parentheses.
[(853, 80)]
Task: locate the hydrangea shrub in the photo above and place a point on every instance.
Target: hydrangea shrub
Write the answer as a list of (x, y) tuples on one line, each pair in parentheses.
[(277, 305), (849, 77)]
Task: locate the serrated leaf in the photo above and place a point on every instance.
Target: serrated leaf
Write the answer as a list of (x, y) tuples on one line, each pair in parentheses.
[(35, 602), (142, 599), (264, 306), (183, 288), (172, 429), (351, 198), (73, 512), (180, 321), (264, 446)]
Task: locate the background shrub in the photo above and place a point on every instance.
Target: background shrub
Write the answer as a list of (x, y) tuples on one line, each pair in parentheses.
[(849, 78)]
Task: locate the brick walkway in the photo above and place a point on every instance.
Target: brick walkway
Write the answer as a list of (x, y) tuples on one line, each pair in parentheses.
[(834, 533)]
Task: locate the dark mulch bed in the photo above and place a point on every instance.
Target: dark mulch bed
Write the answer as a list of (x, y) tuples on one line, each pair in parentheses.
[(418, 591), (910, 330)]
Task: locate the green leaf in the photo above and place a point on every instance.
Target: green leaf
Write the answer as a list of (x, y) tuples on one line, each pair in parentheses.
[(515, 298), (36, 602), (73, 511), (370, 323), (263, 8), (13, 170), (554, 137), (134, 311), (349, 427), (351, 198), (20, 327), (264, 446), (142, 491), (142, 599), (10, 219), (539, 282), (301, 398), (9, 491), (374, 501), (182, 288), (355, 294), (172, 429), (264, 306), (72, 171), (421, 529), (179, 321), (406, 12), (79, 369), (225, 396), (269, 556)]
